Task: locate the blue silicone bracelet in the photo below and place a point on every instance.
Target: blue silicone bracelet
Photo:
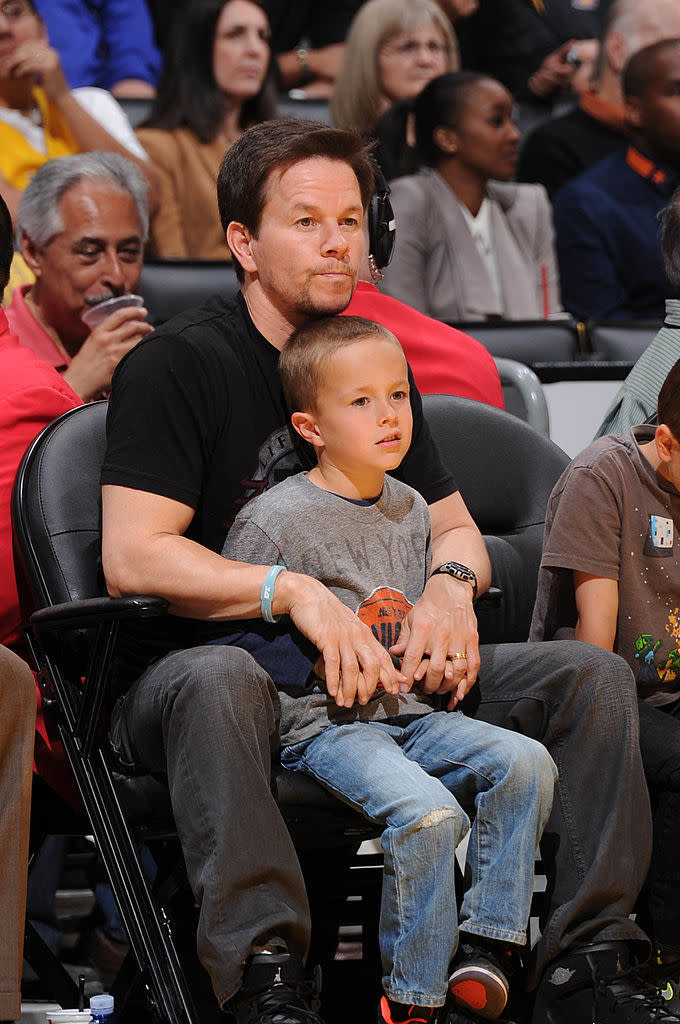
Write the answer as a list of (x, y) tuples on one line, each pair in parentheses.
[(267, 593)]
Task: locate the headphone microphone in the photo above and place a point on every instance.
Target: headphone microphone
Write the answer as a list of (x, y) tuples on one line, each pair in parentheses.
[(381, 226)]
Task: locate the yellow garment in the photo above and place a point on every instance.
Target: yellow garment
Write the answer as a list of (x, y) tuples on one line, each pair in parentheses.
[(18, 160), (20, 273)]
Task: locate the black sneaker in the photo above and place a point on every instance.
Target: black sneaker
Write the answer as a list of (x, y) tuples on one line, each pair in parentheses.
[(479, 982), (277, 990), (457, 1015), (598, 984)]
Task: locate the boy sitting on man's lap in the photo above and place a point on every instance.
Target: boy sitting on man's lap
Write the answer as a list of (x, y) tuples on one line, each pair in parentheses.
[(411, 768)]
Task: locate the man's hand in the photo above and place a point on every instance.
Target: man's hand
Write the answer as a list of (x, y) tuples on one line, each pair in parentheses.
[(555, 73), (92, 367), (439, 643), (36, 58), (353, 660)]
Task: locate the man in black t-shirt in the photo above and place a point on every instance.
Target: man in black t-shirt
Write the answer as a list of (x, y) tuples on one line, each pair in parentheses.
[(197, 426)]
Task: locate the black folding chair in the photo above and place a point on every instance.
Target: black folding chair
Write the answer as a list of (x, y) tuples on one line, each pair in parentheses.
[(72, 634)]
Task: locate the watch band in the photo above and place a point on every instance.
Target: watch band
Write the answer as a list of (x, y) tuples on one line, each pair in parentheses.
[(459, 572)]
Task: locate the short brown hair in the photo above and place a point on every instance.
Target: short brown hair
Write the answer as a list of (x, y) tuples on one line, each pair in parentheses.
[(305, 355), (668, 403), (275, 146)]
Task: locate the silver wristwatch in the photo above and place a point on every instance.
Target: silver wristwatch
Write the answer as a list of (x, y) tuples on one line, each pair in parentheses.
[(459, 572)]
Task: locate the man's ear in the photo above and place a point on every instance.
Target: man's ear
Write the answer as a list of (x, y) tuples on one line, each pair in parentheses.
[(307, 428), (238, 240), (32, 254), (616, 51), (633, 109)]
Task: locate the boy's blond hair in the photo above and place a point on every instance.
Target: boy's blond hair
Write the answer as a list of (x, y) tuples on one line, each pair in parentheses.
[(305, 355)]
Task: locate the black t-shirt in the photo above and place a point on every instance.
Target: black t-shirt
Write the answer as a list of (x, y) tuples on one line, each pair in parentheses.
[(565, 146), (316, 23), (197, 414)]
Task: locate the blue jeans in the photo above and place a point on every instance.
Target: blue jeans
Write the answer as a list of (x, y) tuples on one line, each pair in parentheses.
[(415, 777)]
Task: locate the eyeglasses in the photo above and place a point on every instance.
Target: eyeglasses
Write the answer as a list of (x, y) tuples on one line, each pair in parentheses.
[(15, 9), (411, 47)]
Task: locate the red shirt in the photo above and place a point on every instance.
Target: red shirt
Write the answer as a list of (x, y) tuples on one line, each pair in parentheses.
[(31, 395), (444, 360), (30, 333)]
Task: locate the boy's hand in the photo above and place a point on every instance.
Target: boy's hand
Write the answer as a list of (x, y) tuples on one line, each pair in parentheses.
[(440, 628), (353, 660)]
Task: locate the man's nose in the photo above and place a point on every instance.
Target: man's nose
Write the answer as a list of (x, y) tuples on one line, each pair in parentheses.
[(335, 241), (113, 274)]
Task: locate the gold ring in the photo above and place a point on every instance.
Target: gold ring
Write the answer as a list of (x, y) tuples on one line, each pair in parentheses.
[(458, 656)]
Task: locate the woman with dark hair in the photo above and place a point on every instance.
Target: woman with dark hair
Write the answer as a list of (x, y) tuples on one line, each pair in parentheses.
[(471, 244), (217, 81)]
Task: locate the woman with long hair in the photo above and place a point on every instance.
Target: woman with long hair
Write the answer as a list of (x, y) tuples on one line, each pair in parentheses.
[(471, 244), (217, 81), (393, 49)]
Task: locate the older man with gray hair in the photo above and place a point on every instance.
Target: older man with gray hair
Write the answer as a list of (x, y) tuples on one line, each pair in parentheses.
[(563, 147), (83, 221)]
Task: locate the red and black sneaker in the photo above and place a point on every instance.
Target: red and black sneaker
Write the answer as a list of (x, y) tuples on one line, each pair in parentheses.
[(479, 981), (390, 1012)]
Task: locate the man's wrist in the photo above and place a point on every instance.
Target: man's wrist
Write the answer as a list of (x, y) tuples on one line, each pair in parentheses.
[(458, 571)]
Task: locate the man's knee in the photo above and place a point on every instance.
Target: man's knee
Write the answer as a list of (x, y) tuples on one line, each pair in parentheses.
[(226, 676)]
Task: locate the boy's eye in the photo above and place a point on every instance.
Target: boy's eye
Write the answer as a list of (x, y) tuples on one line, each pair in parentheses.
[(360, 401), (398, 395)]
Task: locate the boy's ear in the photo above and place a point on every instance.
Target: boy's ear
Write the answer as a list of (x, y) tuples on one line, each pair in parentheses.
[(665, 442), (307, 428)]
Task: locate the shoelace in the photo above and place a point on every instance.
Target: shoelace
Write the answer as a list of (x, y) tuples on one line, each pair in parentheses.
[(625, 989), (289, 1000)]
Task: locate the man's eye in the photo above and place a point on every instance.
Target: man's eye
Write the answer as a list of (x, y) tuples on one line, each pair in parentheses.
[(351, 222), (130, 255), (305, 222)]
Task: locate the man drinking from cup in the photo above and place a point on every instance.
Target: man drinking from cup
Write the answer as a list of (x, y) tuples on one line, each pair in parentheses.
[(83, 222)]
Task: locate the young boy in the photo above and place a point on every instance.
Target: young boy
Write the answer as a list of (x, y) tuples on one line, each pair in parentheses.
[(392, 755), (610, 573)]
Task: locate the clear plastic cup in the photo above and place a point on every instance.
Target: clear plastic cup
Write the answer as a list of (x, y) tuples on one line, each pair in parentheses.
[(96, 314)]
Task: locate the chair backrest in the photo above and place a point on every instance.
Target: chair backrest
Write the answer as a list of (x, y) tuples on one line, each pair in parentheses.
[(527, 341), (56, 510), (312, 110), (523, 394), (505, 471), (137, 108), (170, 287), (621, 341)]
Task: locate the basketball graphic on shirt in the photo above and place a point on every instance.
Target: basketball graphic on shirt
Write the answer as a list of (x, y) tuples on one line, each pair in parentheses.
[(383, 612)]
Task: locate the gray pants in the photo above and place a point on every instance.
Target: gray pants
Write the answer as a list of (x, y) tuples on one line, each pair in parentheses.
[(208, 717), (581, 703)]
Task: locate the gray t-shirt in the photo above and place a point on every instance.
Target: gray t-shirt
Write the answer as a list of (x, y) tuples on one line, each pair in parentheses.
[(612, 515), (375, 558)]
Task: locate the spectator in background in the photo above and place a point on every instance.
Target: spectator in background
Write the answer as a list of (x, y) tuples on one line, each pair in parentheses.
[(562, 147), (394, 48), (607, 219), (443, 360), (637, 398), (308, 39), (83, 222), (202, 107), (106, 43), (40, 117), (471, 245), (538, 50)]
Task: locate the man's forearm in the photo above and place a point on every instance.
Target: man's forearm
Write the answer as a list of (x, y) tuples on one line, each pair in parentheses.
[(465, 545)]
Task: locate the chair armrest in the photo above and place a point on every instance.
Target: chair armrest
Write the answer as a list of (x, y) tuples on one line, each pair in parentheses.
[(491, 598), (98, 610)]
